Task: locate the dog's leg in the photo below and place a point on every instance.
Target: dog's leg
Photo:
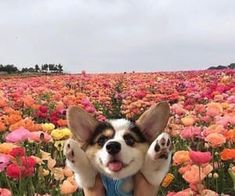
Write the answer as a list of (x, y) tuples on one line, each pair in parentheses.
[(77, 161), (157, 160)]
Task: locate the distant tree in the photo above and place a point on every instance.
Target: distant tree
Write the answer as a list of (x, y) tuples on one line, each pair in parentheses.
[(45, 67), (60, 67), (37, 68), (232, 66), (9, 69)]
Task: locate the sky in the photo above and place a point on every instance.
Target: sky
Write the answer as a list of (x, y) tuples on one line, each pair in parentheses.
[(118, 35)]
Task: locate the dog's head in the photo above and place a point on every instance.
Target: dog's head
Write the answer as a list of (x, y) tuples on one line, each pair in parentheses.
[(117, 147)]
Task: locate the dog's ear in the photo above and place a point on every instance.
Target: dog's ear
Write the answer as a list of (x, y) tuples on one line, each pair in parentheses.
[(154, 120), (81, 123)]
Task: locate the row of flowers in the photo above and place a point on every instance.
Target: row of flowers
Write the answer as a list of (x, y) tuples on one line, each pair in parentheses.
[(33, 127)]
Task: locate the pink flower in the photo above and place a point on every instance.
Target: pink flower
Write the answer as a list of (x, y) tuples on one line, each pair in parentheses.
[(5, 192), (39, 136), (18, 135), (4, 161), (198, 157), (190, 132), (185, 192)]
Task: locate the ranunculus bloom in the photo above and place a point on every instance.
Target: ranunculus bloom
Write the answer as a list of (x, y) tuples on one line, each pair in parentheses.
[(18, 135), (39, 136), (190, 132), (214, 109), (48, 127), (18, 152), (188, 120), (185, 192), (59, 134), (198, 157), (192, 175), (6, 147), (181, 157), (5, 192), (4, 161), (214, 129), (228, 154), (215, 139), (207, 192), (69, 186), (13, 171)]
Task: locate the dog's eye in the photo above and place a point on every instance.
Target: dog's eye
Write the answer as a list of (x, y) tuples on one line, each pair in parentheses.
[(102, 140), (129, 139)]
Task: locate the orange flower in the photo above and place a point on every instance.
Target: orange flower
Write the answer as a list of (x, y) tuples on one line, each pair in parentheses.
[(13, 118), (167, 180), (215, 139), (62, 123), (214, 129), (227, 154), (69, 186), (192, 175), (214, 109), (188, 120), (6, 148), (230, 135), (2, 127), (181, 157), (68, 172)]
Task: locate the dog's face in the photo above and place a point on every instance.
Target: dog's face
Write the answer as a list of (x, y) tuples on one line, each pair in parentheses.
[(117, 147)]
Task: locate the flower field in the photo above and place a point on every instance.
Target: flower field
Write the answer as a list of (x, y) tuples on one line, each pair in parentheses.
[(33, 127)]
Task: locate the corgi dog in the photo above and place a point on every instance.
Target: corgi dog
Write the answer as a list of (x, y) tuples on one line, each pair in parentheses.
[(118, 149)]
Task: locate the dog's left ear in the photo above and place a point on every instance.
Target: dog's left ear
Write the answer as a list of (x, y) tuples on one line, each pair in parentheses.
[(154, 120)]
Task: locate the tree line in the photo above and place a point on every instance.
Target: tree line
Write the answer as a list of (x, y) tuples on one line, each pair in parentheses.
[(231, 66), (45, 68)]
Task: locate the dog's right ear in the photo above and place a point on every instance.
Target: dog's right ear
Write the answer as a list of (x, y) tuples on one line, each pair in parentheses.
[(81, 123)]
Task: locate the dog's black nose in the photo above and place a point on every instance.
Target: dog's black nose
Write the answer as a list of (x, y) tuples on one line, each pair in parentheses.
[(113, 147)]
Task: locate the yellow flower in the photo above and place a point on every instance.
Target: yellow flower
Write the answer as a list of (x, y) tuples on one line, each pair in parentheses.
[(48, 127), (59, 134), (167, 180)]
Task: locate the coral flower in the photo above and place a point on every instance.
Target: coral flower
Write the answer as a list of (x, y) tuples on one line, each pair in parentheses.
[(181, 157), (215, 139), (228, 154), (39, 136), (192, 176), (214, 109), (5, 192), (69, 186), (198, 157)]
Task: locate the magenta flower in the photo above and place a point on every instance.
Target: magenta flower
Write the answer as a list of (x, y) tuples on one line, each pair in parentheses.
[(18, 135), (198, 157)]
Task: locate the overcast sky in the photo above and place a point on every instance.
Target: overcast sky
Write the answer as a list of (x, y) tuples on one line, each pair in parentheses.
[(118, 35)]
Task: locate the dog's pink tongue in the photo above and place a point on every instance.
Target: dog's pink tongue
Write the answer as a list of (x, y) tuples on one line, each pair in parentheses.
[(115, 166)]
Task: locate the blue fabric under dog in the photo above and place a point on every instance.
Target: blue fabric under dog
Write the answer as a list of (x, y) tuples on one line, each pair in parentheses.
[(114, 187)]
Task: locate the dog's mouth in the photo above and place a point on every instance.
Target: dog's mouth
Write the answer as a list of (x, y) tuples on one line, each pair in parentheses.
[(115, 165)]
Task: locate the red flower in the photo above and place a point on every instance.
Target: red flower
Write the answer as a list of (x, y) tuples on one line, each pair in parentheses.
[(200, 157), (13, 171), (18, 152), (28, 162), (43, 109)]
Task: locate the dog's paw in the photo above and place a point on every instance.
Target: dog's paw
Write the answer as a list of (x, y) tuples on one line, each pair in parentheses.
[(77, 160), (71, 150), (161, 148), (157, 160)]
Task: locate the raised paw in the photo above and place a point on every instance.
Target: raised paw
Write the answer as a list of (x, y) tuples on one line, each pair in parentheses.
[(162, 147), (70, 150)]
